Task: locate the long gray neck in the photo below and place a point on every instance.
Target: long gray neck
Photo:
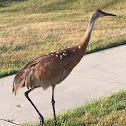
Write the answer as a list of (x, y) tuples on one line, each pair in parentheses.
[(84, 42), (89, 30)]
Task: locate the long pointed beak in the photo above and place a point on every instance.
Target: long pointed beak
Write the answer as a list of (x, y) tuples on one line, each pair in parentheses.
[(108, 14)]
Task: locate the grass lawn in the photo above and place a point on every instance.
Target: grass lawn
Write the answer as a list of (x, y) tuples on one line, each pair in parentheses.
[(106, 111), (30, 28)]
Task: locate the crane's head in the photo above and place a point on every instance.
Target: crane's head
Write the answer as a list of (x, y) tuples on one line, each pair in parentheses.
[(99, 13)]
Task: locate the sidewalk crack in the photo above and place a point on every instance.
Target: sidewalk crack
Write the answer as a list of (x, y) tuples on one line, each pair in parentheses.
[(9, 121)]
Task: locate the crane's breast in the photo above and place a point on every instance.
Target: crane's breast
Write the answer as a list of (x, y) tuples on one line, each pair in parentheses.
[(50, 72), (52, 69)]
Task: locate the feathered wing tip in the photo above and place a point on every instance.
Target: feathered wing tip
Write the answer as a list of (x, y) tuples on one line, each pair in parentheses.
[(14, 89), (16, 86), (19, 81), (23, 77)]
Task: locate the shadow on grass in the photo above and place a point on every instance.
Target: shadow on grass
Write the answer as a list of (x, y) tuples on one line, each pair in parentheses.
[(4, 3)]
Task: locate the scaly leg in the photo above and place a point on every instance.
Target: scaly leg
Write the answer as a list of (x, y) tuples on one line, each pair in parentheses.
[(53, 104), (40, 116)]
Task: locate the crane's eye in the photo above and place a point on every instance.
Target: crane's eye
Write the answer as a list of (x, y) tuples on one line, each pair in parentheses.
[(95, 16)]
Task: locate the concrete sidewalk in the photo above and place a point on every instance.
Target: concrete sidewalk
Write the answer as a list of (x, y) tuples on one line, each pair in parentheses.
[(98, 74)]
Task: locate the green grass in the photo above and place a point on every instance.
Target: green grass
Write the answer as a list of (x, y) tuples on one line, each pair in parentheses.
[(8, 72), (50, 25), (106, 111)]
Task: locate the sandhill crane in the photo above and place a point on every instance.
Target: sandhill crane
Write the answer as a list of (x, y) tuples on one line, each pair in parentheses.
[(53, 68)]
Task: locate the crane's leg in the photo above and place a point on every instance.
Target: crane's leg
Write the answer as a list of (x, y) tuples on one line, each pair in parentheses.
[(53, 104), (40, 116)]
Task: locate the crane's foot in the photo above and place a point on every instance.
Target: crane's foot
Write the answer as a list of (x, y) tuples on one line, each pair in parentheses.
[(55, 123), (41, 120)]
